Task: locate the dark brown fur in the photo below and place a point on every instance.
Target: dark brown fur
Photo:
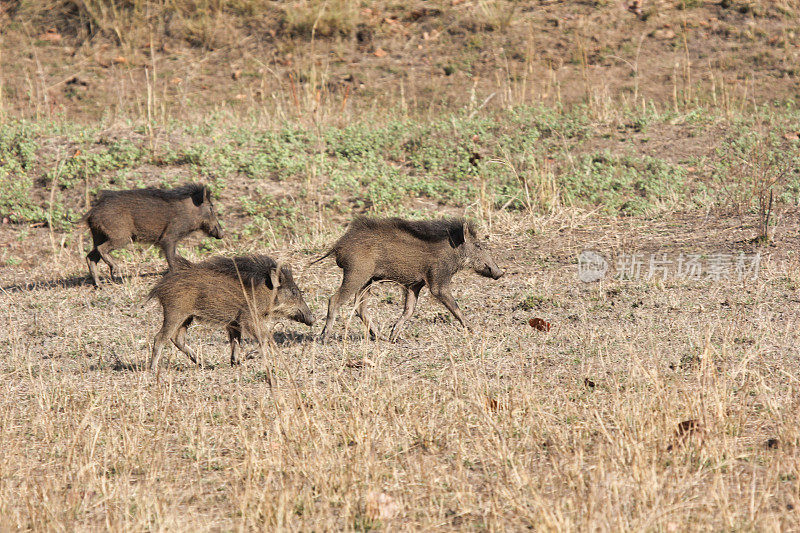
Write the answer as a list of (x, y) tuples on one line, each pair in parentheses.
[(233, 292), (158, 216), (411, 253)]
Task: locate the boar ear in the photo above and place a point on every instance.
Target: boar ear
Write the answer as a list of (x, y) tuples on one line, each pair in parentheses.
[(199, 196), (468, 236), (274, 280)]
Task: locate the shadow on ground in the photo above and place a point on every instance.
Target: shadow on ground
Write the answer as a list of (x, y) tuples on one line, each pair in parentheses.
[(70, 282)]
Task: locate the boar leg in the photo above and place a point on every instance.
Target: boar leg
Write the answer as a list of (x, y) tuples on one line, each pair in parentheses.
[(351, 283), (171, 324), (104, 250), (442, 293), (173, 259), (412, 294), (363, 312), (179, 340), (235, 338), (94, 257)]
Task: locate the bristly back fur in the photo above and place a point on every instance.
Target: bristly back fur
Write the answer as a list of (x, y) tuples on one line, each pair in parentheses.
[(443, 229), (451, 229), (178, 193), (251, 269)]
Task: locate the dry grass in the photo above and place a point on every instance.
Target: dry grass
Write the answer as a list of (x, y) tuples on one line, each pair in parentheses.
[(507, 428)]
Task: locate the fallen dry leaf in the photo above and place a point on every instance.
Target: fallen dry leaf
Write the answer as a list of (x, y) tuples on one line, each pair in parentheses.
[(687, 427), (51, 36), (792, 135), (120, 60), (236, 74), (540, 324), (380, 52)]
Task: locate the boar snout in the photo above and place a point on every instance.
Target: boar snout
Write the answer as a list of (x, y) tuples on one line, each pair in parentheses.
[(304, 316), (215, 230), (490, 271), (217, 233)]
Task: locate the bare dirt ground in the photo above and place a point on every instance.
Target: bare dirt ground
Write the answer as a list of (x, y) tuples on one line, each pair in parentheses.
[(509, 427), (428, 57)]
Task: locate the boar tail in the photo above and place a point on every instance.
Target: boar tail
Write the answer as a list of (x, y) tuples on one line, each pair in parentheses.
[(323, 257), (182, 263), (155, 292), (152, 294)]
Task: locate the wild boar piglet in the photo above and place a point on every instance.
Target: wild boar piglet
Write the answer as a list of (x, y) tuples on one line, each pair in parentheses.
[(157, 216), (236, 293), (413, 253)]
